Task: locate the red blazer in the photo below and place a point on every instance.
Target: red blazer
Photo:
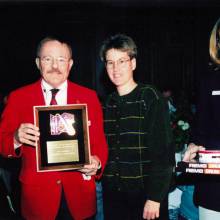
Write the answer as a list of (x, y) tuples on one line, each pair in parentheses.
[(44, 202)]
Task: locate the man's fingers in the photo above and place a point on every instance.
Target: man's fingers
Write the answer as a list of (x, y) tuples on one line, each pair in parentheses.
[(27, 133), (92, 168), (88, 172)]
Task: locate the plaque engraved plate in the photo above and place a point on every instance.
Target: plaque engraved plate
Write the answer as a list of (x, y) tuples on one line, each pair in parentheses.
[(68, 150)]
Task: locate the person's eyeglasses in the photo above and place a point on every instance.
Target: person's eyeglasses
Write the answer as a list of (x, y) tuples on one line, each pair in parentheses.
[(121, 63), (47, 60)]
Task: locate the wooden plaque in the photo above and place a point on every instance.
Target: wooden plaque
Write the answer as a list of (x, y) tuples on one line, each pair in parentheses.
[(64, 137)]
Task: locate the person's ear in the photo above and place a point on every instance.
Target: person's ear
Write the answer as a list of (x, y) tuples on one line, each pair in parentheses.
[(37, 61), (71, 62), (133, 63)]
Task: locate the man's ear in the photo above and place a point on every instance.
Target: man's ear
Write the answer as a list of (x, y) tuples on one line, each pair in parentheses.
[(37, 61), (71, 62)]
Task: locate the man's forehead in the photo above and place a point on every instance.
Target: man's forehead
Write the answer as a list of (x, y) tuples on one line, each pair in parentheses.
[(55, 46)]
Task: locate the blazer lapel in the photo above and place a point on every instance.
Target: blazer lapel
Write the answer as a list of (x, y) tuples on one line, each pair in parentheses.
[(72, 97), (39, 97)]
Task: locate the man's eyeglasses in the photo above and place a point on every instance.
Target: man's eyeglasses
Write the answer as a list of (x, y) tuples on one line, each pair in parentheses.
[(121, 63), (47, 60)]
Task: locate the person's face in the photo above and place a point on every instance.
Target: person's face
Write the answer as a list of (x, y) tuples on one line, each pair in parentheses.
[(54, 63), (120, 67)]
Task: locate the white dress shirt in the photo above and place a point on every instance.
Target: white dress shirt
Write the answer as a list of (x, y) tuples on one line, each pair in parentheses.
[(61, 96)]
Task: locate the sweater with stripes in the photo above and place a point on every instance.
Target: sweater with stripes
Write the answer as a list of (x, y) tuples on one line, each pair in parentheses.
[(141, 153)]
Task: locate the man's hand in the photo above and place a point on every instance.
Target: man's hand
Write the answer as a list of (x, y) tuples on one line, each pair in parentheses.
[(92, 168), (191, 152), (27, 133), (151, 210)]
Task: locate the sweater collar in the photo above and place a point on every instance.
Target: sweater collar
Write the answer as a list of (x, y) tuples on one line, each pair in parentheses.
[(118, 98)]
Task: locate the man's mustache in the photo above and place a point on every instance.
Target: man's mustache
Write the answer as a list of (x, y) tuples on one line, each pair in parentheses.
[(53, 70)]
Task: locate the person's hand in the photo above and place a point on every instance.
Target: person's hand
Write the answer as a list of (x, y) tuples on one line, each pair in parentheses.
[(191, 152), (151, 210), (27, 133), (92, 168)]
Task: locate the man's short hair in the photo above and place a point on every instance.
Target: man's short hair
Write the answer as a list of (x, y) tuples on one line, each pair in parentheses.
[(51, 38), (120, 42)]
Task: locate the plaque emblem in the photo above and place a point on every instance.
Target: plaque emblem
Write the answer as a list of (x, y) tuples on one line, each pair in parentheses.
[(61, 123)]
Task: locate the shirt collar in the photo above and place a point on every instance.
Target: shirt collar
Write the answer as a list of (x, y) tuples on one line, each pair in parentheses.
[(47, 87)]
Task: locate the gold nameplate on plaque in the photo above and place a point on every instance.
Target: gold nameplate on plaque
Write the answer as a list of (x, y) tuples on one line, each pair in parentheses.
[(68, 150), (64, 137)]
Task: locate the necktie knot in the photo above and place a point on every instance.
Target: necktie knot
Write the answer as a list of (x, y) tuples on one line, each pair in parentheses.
[(53, 98)]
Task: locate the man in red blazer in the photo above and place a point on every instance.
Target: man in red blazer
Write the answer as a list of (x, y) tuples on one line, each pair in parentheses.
[(41, 191)]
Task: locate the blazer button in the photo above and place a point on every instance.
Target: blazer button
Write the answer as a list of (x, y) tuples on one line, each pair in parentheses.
[(58, 181)]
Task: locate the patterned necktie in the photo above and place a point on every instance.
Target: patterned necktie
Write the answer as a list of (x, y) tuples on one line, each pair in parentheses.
[(53, 98)]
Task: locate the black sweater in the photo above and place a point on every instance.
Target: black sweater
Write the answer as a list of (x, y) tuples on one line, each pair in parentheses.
[(141, 154)]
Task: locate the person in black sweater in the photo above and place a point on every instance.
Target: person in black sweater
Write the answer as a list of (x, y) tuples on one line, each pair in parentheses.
[(137, 127)]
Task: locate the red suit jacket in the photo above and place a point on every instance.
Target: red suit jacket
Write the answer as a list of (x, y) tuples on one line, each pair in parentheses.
[(41, 191)]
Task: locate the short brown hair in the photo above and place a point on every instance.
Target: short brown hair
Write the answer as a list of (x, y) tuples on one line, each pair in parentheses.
[(120, 42)]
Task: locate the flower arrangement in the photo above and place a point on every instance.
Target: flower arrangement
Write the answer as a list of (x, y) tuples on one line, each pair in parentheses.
[(180, 124), (181, 131)]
